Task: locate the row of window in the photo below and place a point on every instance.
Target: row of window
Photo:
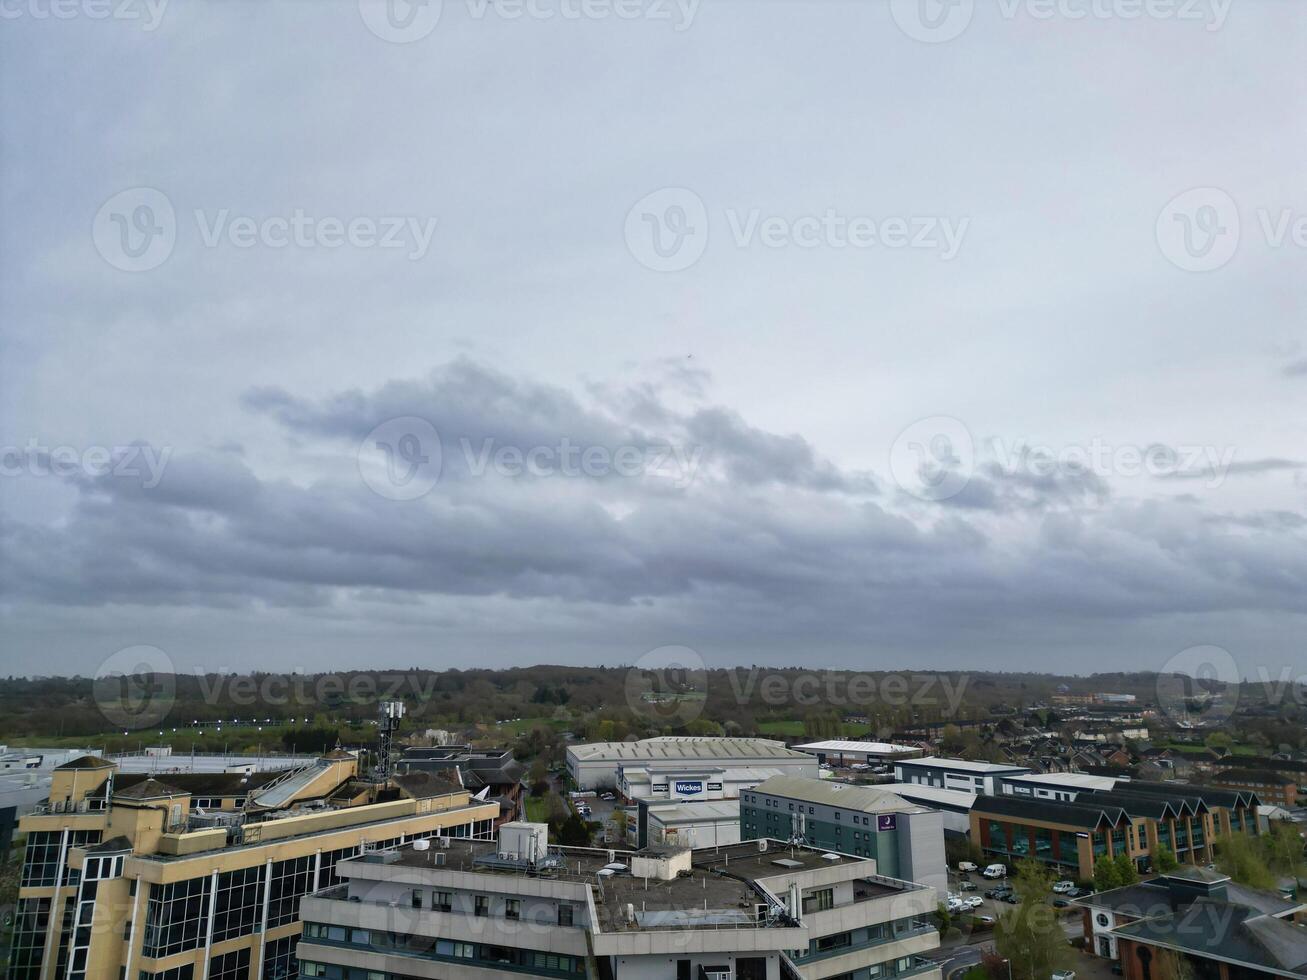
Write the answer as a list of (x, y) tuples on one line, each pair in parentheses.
[(41, 860), (483, 954), (860, 939), (443, 901)]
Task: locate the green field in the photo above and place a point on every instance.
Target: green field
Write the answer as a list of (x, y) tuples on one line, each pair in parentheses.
[(794, 729), (537, 809)]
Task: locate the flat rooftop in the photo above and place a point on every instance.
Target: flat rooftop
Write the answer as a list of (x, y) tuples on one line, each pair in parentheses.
[(872, 748), (719, 890), (964, 765), (691, 749)]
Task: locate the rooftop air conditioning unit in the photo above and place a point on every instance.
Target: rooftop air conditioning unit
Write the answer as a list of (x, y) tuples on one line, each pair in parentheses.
[(762, 845), (421, 845), (443, 841)]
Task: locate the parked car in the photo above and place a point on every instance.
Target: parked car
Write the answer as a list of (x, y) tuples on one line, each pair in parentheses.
[(966, 866), (1011, 898), (1064, 975), (974, 901), (1061, 903), (995, 871), (986, 920), (1062, 887), (967, 886), (998, 893)]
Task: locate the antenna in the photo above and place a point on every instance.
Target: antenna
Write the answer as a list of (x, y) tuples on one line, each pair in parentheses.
[(388, 718)]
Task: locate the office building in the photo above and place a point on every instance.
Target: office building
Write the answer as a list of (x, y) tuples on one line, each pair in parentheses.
[(959, 774), (1134, 818), (1271, 787), (595, 765), (1055, 786), (755, 911), (199, 876), (1199, 923), (489, 774), (906, 840), (954, 805)]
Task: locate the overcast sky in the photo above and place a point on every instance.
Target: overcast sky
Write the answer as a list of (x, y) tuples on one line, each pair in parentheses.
[(793, 332)]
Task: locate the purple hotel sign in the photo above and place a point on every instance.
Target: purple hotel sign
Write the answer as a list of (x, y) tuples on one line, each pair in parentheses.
[(887, 821)]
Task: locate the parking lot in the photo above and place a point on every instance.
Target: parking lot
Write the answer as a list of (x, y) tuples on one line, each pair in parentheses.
[(996, 907)]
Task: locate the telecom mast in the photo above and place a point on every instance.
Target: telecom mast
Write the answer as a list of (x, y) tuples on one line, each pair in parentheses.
[(388, 718)]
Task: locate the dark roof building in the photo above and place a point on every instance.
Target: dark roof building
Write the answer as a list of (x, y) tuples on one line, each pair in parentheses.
[(1198, 922)]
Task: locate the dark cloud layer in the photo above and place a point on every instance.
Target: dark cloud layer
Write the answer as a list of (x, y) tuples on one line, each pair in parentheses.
[(766, 534)]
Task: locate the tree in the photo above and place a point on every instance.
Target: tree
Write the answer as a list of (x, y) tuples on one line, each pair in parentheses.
[(1242, 859), (1283, 849), (1030, 936), (1106, 874), (1164, 859), (1126, 872)]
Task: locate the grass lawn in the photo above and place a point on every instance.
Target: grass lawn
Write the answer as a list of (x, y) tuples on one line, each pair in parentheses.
[(537, 809)]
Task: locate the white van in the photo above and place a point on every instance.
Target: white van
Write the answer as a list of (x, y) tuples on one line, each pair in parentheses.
[(995, 871), (966, 867)]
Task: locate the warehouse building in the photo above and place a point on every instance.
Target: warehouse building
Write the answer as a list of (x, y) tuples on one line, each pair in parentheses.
[(595, 765), (756, 911), (905, 839), (845, 754)]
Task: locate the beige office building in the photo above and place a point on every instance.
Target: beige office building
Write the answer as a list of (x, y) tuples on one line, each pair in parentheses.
[(199, 876)]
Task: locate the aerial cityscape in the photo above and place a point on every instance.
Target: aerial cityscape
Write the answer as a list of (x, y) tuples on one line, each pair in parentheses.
[(653, 490)]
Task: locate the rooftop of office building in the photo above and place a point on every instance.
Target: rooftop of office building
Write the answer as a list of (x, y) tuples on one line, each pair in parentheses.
[(715, 887), (829, 792)]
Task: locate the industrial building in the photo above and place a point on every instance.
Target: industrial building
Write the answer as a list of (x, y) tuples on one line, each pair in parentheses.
[(843, 754), (905, 839), (960, 774), (1062, 786), (595, 765), (199, 876), (693, 825), (755, 911)]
